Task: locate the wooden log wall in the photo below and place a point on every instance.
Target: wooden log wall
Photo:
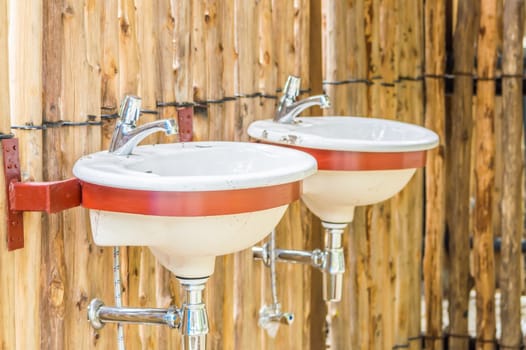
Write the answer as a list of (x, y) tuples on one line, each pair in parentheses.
[(73, 61), (513, 173)]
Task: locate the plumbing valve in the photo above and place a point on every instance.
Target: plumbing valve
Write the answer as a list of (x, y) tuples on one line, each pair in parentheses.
[(270, 317)]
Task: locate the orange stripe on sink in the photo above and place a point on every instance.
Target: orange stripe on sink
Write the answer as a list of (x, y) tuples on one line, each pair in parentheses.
[(203, 203), (351, 160)]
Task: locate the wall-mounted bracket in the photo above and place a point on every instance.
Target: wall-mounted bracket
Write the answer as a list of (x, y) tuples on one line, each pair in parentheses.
[(184, 121), (15, 223), (50, 197)]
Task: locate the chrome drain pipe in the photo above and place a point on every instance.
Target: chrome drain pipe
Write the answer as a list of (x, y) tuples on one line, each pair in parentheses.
[(99, 314), (333, 266), (194, 325), (314, 258), (271, 316), (191, 319), (331, 260)]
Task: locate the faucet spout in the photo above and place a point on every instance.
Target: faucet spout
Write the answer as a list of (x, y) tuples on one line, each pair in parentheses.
[(289, 108), (127, 135)]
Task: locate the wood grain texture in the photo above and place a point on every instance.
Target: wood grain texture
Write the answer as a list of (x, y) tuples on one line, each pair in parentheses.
[(94, 52), (435, 206), (458, 167), (334, 42), (7, 265), (53, 279), (407, 206), (354, 303), (483, 253), (110, 96), (25, 91), (511, 212), (384, 251)]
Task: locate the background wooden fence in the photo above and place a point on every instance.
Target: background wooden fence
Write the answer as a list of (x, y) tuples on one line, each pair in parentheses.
[(65, 65)]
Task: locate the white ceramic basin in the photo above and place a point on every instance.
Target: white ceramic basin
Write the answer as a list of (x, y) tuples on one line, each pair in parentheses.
[(190, 202), (361, 161)]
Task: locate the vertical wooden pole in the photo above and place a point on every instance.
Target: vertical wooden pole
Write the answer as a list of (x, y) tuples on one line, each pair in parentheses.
[(512, 216), (7, 292), (458, 166), (110, 97), (312, 226), (81, 74), (484, 261), (334, 68), (25, 37), (290, 57), (225, 265), (148, 86), (53, 259), (295, 59), (244, 309), (5, 123), (182, 50), (408, 205), (129, 74), (213, 20), (334, 43), (198, 69), (166, 287), (435, 23), (354, 306), (356, 61), (385, 251)]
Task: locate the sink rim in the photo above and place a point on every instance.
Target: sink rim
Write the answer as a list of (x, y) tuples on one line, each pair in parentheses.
[(109, 170), (301, 134), (109, 184)]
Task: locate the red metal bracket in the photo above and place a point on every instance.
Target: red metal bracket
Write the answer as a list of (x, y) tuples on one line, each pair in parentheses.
[(15, 222), (50, 197), (184, 120)]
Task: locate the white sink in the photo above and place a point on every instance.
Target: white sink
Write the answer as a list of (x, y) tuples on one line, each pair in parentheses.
[(190, 202), (361, 161)]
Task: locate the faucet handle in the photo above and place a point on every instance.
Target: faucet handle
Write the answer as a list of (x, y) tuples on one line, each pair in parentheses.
[(292, 87), (130, 109)]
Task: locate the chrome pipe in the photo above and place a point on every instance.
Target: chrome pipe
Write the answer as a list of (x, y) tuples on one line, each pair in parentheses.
[(314, 258), (191, 319), (194, 342), (98, 314), (271, 315), (331, 261), (333, 266), (194, 325)]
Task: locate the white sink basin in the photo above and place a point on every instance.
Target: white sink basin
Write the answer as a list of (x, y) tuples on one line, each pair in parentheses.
[(190, 202), (361, 161)]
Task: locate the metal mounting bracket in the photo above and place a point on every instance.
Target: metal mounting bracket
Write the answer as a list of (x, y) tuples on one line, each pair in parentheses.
[(184, 121), (15, 222), (51, 197)]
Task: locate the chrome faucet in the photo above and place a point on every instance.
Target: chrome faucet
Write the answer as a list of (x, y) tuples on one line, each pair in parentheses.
[(127, 135), (289, 108)]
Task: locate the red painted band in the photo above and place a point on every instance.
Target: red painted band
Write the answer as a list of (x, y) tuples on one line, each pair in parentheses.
[(351, 160), (205, 203)]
